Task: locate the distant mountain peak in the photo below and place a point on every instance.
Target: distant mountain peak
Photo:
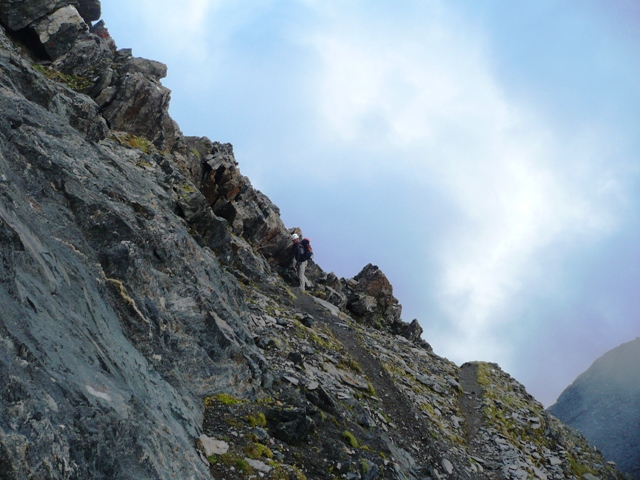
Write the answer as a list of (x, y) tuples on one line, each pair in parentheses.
[(603, 403)]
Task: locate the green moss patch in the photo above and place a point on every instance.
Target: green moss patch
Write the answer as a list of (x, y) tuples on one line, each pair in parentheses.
[(74, 82), (224, 399), (350, 439)]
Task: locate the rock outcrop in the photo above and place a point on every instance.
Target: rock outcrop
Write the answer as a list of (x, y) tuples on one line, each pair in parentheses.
[(370, 296), (603, 403), (148, 327)]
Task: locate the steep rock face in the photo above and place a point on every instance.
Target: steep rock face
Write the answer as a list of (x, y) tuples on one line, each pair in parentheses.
[(148, 322), (126, 89), (250, 213), (115, 322), (603, 403)]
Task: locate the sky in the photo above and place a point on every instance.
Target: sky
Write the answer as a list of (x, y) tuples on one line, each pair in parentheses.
[(485, 155)]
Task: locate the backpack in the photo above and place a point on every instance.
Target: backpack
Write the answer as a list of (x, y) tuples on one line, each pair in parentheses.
[(308, 251)]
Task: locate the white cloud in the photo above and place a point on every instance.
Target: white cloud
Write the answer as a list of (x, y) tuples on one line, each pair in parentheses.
[(403, 86), (177, 29), (527, 202), (424, 101)]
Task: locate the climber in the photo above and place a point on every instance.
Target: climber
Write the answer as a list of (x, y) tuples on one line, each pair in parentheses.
[(302, 253)]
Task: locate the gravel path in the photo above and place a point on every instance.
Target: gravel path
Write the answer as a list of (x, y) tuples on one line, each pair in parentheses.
[(410, 430), (471, 406)]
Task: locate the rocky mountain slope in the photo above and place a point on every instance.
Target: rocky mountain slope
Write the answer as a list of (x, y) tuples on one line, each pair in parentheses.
[(603, 403), (149, 328)]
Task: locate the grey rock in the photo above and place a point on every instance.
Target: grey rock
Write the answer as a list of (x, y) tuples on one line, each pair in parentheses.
[(249, 213), (335, 311), (258, 465), (90, 10), (307, 321), (17, 14), (90, 58), (261, 434), (411, 331), (295, 357), (405, 465), (335, 297), (431, 383), (447, 465), (140, 106), (539, 473), (292, 380), (115, 322), (270, 342), (59, 30), (211, 446), (306, 349), (454, 383), (364, 419), (150, 69), (372, 473), (362, 304), (291, 425), (322, 399), (589, 476)]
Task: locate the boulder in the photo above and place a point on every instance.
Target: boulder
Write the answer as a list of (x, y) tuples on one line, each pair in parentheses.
[(334, 297), (90, 10), (91, 57), (17, 14), (150, 69), (362, 304), (244, 260), (328, 286), (370, 298), (138, 104), (211, 446), (59, 31), (411, 331), (291, 425), (321, 398)]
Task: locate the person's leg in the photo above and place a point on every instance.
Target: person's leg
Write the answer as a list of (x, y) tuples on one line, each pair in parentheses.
[(301, 277)]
